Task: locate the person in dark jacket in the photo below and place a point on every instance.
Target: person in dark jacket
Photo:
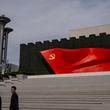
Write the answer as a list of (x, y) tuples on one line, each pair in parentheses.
[(0, 103), (14, 103)]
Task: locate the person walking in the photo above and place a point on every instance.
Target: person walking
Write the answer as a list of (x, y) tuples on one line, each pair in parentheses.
[(14, 103)]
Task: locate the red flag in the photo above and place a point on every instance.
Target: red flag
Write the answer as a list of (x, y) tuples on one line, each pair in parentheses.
[(64, 61)]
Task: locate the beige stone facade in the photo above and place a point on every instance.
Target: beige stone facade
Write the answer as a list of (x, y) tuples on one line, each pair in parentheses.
[(89, 30)]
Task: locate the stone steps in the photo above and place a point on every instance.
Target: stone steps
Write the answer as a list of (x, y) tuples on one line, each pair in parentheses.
[(60, 93)]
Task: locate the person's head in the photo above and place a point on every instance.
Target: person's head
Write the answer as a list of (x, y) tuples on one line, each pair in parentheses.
[(13, 89)]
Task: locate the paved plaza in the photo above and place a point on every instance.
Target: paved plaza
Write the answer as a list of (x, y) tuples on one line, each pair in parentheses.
[(60, 92)]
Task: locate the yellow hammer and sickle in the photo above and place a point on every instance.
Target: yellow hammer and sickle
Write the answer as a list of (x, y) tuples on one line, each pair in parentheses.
[(52, 56)]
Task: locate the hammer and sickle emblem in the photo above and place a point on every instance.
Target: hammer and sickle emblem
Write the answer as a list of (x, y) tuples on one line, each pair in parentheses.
[(52, 56)]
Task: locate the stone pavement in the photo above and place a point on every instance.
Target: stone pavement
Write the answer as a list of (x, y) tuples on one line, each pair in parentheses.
[(66, 92)]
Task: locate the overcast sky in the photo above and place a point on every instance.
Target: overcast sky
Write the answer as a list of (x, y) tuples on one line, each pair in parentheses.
[(39, 20)]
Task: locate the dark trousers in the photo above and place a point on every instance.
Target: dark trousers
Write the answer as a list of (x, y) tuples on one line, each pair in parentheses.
[(0, 103)]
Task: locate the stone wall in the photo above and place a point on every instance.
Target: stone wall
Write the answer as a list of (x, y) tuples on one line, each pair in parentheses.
[(31, 62)]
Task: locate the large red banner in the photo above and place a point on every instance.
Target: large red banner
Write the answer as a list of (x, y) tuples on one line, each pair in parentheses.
[(64, 61)]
